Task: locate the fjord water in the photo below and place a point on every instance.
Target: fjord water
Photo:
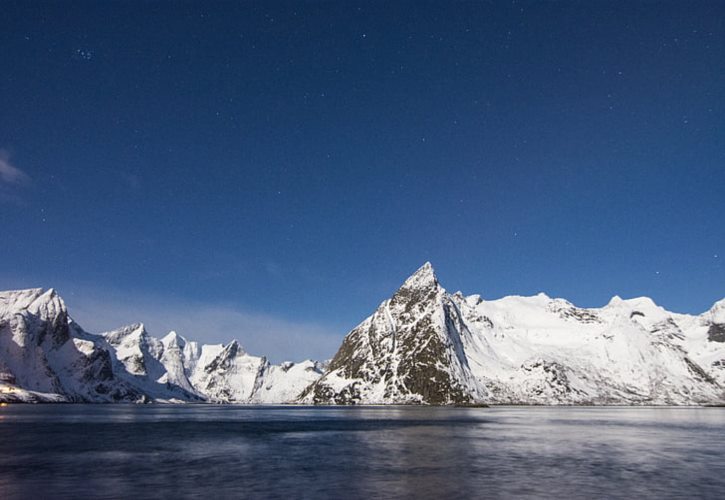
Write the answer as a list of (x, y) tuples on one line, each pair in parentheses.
[(137, 451)]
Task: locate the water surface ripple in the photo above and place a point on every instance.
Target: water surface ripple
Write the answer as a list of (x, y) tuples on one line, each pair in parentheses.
[(158, 451)]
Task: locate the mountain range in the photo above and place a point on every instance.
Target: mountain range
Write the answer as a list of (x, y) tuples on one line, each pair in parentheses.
[(423, 345)]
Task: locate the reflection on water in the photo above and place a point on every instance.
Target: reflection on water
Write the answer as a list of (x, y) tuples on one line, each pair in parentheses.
[(128, 451)]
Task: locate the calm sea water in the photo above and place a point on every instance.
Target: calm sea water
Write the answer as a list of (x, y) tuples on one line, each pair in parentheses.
[(132, 452)]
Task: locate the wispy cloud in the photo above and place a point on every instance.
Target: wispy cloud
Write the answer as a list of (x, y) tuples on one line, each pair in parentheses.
[(11, 180), (9, 173), (260, 334)]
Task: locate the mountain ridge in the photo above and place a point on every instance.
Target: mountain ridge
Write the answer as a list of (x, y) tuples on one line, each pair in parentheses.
[(423, 345), (46, 357), (535, 350)]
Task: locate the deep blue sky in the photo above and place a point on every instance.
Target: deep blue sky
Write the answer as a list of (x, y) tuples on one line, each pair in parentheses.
[(296, 161)]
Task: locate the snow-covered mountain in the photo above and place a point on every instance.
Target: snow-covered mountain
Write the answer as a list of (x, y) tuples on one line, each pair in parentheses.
[(424, 345), (421, 346), (45, 356)]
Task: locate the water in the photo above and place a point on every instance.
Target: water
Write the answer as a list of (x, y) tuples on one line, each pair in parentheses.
[(128, 451)]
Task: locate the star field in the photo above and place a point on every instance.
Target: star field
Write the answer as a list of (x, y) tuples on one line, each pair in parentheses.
[(300, 159)]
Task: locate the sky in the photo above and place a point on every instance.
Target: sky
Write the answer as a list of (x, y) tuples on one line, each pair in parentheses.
[(273, 171)]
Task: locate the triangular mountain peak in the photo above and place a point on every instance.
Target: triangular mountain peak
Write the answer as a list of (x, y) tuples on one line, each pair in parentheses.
[(424, 277)]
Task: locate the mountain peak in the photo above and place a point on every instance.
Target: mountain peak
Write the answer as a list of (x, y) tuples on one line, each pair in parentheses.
[(173, 338), (615, 301), (125, 332), (720, 304), (424, 277), (717, 311), (636, 302), (35, 300), (232, 348)]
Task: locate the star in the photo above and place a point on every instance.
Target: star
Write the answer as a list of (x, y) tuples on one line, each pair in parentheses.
[(84, 54)]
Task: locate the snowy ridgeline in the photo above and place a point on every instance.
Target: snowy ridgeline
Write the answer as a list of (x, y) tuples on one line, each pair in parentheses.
[(421, 346), (424, 345), (45, 356)]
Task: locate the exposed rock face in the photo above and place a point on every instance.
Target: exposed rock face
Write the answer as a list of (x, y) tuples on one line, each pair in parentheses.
[(408, 351), (424, 345), (716, 332)]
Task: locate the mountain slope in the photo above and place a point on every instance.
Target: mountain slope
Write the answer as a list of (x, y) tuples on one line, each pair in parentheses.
[(424, 345)]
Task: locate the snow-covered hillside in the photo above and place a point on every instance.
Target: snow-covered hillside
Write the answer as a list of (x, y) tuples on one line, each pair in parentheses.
[(45, 356), (425, 345)]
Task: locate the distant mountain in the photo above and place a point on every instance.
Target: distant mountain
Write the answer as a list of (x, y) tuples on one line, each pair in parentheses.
[(45, 356), (421, 346), (424, 345)]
